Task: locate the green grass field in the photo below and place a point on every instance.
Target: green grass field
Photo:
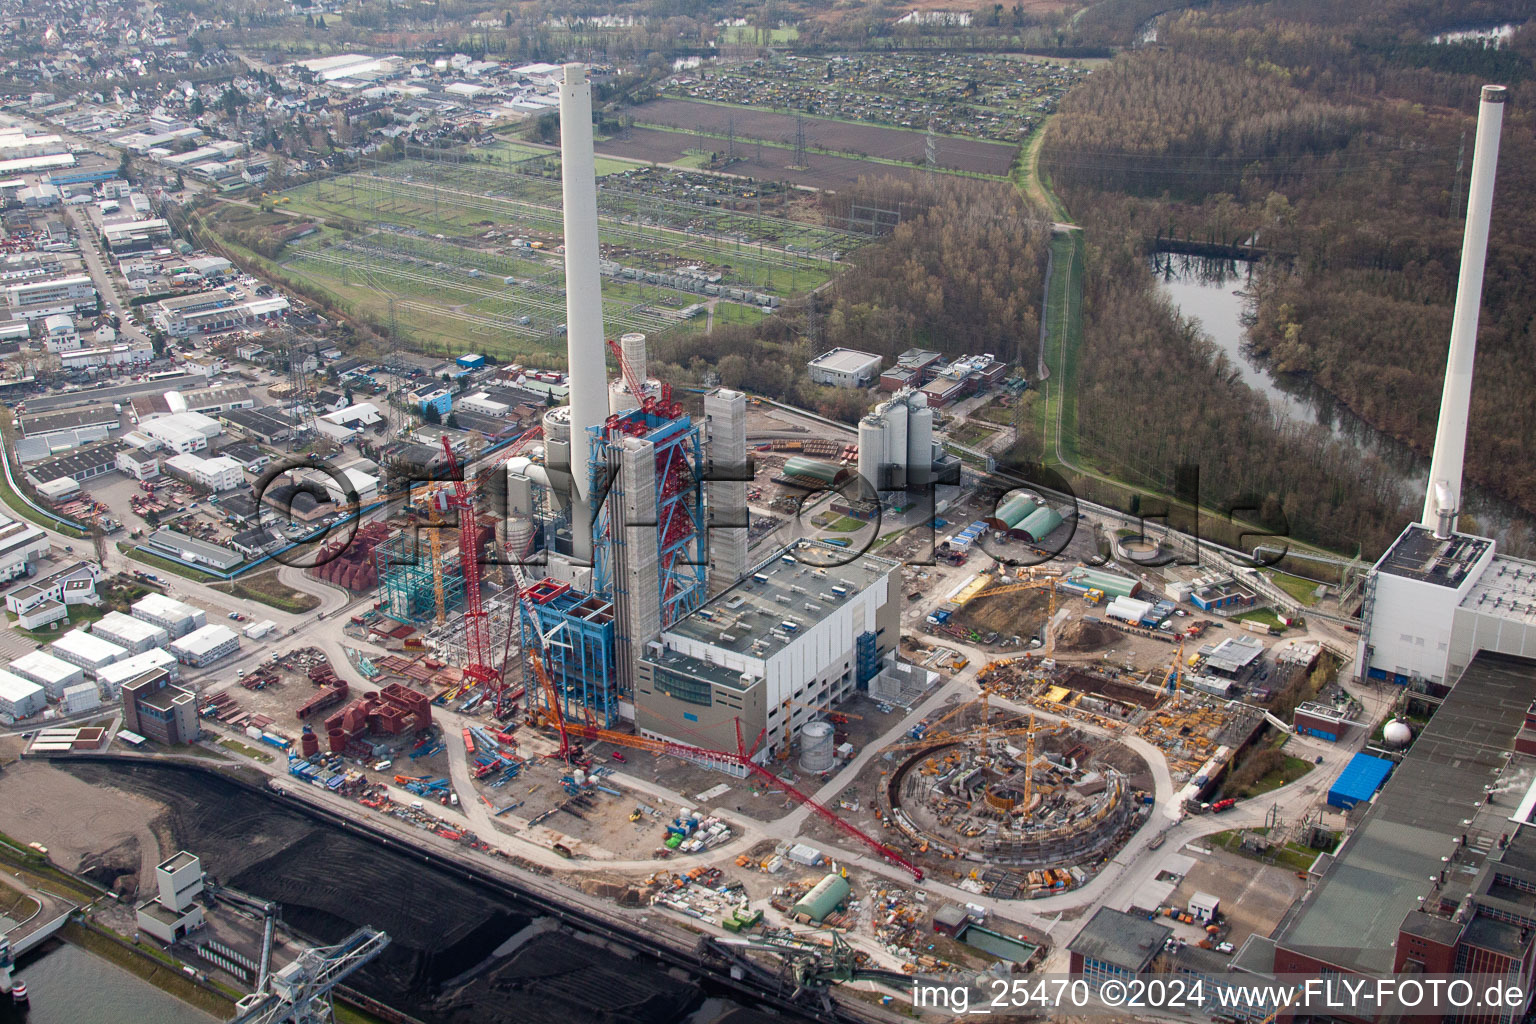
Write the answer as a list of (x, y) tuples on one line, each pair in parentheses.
[(79, 615), (746, 35), (1293, 769), (432, 257), (1264, 615), (268, 589), (1303, 590)]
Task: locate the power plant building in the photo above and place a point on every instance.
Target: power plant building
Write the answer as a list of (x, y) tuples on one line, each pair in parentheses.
[(845, 368), (790, 630), (1438, 597), (158, 709)]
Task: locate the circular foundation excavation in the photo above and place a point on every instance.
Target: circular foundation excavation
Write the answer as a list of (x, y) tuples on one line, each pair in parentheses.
[(1071, 803)]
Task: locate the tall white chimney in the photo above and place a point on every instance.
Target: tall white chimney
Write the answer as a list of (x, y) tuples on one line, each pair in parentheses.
[(583, 292), (1442, 498)]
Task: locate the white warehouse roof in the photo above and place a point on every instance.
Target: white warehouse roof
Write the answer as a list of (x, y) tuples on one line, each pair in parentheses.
[(45, 667), (162, 607), (201, 641), (93, 650), (13, 688), (129, 669), (128, 628)]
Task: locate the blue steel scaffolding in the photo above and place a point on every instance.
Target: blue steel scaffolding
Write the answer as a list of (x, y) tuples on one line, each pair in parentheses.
[(579, 659)]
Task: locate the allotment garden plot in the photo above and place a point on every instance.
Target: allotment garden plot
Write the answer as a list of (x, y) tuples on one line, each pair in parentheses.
[(995, 97)]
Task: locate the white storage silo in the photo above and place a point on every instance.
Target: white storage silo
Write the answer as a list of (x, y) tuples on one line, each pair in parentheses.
[(920, 445), (871, 452), (817, 749), (633, 347), (896, 443), (519, 537)]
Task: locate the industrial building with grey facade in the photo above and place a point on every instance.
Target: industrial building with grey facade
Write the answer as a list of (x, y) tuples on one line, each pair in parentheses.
[(791, 630)]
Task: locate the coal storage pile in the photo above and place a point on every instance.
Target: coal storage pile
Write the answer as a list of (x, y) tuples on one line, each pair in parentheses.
[(560, 977), (441, 963)]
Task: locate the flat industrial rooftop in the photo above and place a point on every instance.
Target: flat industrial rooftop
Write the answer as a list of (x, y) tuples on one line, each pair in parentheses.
[(1419, 555), (1435, 795), (782, 597)]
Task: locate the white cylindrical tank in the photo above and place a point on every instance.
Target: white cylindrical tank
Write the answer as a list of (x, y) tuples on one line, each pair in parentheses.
[(817, 749), (920, 445), (518, 536), (619, 398), (557, 424), (896, 444), (871, 451), (1397, 733), (633, 347)]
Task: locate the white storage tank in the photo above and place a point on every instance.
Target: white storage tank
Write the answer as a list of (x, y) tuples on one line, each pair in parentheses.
[(817, 749), (519, 536), (896, 443), (920, 443), (633, 347), (871, 450)]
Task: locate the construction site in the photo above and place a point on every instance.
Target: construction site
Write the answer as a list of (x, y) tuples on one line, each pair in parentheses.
[(1055, 799)]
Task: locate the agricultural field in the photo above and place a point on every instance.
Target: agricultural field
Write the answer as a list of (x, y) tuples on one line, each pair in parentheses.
[(459, 250), (760, 161), (822, 135), (996, 97)]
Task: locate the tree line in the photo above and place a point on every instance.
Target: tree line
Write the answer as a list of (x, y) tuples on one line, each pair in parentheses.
[(960, 273), (1345, 150)]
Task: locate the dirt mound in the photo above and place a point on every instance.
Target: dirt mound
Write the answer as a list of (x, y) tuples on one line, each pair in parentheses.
[(1080, 635), (1020, 613)]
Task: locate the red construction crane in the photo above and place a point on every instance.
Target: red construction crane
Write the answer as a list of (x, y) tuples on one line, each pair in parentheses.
[(476, 638), (868, 840)]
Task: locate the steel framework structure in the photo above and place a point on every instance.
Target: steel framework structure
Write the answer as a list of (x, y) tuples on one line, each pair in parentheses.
[(408, 583)]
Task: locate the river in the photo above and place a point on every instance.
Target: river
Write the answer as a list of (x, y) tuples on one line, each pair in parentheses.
[(67, 985), (1214, 292)]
